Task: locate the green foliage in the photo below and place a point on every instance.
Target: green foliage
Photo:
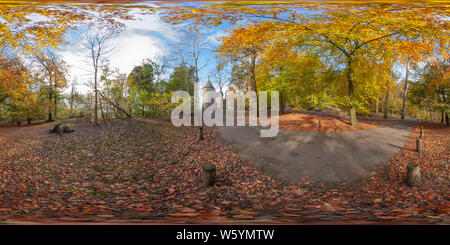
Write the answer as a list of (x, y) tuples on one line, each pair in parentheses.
[(150, 97), (432, 91), (142, 77), (159, 103), (182, 78)]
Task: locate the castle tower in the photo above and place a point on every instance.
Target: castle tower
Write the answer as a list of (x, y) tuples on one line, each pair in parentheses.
[(208, 87)]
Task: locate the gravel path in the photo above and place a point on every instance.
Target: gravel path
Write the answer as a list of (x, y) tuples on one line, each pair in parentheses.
[(328, 158)]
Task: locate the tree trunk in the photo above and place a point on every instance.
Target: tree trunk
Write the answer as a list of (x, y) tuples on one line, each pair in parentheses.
[(386, 105), (351, 89), (3, 98), (55, 101), (72, 95), (96, 98), (116, 106), (102, 112), (186, 80), (50, 99), (253, 82), (55, 107), (377, 106), (405, 91), (447, 119)]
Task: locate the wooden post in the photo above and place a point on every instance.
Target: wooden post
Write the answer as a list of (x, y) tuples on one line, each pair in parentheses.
[(419, 145), (209, 174), (319, 124), (413, 176), (200, 137)]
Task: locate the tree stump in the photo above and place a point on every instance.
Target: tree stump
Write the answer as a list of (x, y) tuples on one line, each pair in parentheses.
[(413, 176), (419, 145), (209, 174), (59, 129), (67, 130), (421, 132), (55, 129)]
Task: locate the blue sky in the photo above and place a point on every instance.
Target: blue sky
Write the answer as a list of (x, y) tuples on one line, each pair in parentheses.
[(148, 37)]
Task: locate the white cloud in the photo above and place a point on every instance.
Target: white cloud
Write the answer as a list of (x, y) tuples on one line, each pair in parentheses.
[(145, 38), (215, 38), (132, 49), (151, 23)]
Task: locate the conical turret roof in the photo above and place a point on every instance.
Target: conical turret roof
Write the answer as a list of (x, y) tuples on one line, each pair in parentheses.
[(208, 84)]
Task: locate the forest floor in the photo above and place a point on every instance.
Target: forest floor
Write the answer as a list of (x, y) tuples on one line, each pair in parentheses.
[(150, 171), (329, 122), (323, 157)]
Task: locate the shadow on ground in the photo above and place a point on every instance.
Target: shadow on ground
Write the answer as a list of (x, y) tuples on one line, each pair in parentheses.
[(328, 158)]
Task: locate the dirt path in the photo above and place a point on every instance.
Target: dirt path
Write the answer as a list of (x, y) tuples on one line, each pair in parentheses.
[(11, 130), (328, 158)]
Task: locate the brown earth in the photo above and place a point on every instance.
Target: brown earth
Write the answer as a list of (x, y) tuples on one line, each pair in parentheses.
[(309, 122)]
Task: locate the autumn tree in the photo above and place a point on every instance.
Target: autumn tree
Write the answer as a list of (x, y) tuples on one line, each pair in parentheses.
[(115, 93), (74, 97), (54, 68), (410, 53), (13, 78), (24, 100), (98, 46), (145, 82), (244, 45), (433, 89), (143, 77), (219, 75), (28, 28), (353, 30), (191, 48), (181, 78)]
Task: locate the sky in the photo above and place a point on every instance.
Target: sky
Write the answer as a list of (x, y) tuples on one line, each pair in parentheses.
[(146, 38)]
